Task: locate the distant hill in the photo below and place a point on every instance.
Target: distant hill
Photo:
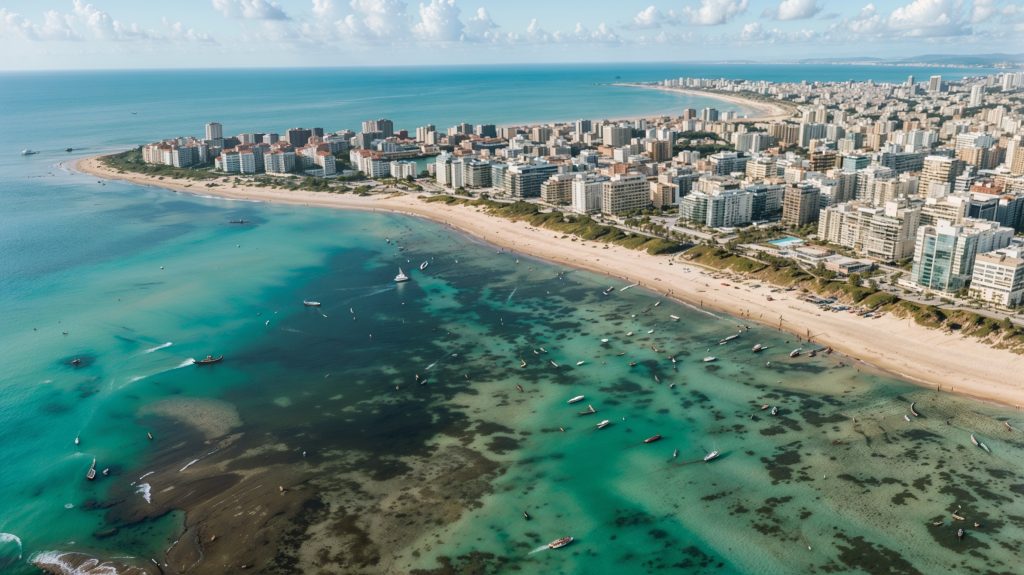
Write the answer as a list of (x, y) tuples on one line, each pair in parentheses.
[(927, 59)]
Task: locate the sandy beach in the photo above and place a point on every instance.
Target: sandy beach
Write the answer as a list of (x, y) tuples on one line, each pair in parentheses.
[(940, 360), (765, 111)]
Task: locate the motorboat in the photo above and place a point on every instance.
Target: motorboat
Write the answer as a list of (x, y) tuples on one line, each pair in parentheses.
[(91, 474), (726, 340), (710, 358), (653, 438), (757, 348), (553, 364), (401, 277), (208, 360), (604, 340), (711, 456), (589, 410), (576, 399), (914, 411), (559, 543), (579, 363), (796, 352), (424, 265), (906, 417), (674, 317), (310, 303), (28, 152), (604, 423), (775, 411)]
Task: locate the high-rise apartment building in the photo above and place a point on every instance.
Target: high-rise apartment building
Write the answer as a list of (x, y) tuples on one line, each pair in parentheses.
[(214, 131), (944, 254), (624, 193), (800, 205)]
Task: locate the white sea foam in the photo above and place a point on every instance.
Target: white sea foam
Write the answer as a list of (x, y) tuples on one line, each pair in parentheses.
[(189, 464), (11, 538), (91, 566), (146, 474), (159, 347), (146, 491)]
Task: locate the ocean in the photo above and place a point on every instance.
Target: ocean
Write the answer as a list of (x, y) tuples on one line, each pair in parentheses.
[(393, 429)]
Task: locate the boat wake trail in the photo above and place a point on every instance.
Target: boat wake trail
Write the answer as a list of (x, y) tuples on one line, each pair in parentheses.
[(539, 549), (185, 363), (509, 298), (159, 347)]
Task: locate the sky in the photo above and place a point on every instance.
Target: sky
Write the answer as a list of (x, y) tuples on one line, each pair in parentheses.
[(77, 34)]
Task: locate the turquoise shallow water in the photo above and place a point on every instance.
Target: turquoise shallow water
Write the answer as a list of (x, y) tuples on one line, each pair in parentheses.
[(312, 400)]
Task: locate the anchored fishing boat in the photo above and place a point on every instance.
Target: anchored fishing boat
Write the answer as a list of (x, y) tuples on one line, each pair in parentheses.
[(653, 438), (208, 360), (576, 399), (712, 455)]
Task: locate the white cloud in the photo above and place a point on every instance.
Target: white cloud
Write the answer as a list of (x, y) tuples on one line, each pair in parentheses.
[(794, 10), (375, 20), (250, 9), (984, 10), (86, 21), (481, 27), (55, 26), (651, 17), (715, 12), (439, 22), (923, 18), (755, 33)]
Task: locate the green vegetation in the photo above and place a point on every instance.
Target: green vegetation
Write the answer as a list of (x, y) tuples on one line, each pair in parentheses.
[(131, 161), (787, 273)]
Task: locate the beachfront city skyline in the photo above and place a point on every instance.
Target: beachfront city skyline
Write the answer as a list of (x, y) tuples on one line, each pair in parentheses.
[(60, 34), (381, 307)]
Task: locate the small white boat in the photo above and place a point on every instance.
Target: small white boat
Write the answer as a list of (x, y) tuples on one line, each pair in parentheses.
[(91, 474), (974, 440), (401, 277), (674, 317), (914, 411), (579, 363), (657, 303), (726, 340), (650, 331), (629, 286), (553, 364), (424, 265), (713, 455), (710, 358), (906, 417), (28, 152), (77, 440), (604, 423), (757, 348), (775, 411), (796, 352), (310, 303), (604, 340), (559, 543), (982, 445), (576, 399), (629, 334), (675, 453)]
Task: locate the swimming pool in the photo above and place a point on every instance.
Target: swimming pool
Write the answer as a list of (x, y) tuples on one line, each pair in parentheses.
[(786, 242)]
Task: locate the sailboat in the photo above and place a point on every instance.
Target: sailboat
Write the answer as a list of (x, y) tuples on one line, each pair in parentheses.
[(711, 456), (401, 277)]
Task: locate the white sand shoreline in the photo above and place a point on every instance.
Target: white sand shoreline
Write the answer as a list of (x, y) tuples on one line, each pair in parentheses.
[(765, 111), (937, 359)]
